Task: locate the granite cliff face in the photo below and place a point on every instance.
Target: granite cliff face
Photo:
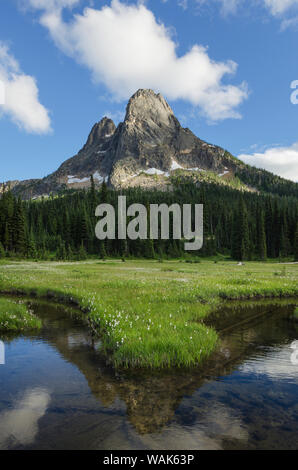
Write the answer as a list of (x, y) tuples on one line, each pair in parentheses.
[(144, 150), (151, 141)]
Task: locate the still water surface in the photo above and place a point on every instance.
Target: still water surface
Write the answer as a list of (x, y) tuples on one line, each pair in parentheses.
[(56, 391)]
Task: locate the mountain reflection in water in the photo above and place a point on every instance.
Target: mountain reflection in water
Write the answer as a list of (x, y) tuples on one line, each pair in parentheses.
[(57, 392)]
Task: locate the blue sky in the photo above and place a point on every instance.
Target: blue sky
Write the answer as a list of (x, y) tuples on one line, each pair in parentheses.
[(225, 66)]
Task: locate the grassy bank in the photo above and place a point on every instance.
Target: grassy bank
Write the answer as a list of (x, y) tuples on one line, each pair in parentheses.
[(15, 316), (148, 313)]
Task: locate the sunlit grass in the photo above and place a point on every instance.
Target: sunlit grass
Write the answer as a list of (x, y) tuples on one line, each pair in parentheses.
[(15, 316), (150, 314)]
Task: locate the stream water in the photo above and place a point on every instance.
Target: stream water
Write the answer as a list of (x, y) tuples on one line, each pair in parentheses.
[(56, 391)]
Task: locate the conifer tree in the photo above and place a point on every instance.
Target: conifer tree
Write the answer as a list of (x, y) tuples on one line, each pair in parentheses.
[(7, 238), (19, 228), (92, 195), (104, 193), (70, 255), (269, 229), (85, 231), (2, 251), (296, 244), (261, 236), (82, 255), (32, 252), (236, 242), (102, 251), (240, 235), (285, 247), (149, 249)]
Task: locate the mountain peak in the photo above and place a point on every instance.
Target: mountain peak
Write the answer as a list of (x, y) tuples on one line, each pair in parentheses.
[(147, 105), (105, 128), (150, 143)]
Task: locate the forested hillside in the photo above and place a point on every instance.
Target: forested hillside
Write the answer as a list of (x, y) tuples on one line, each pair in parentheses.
[(240, 224), (265, 181)]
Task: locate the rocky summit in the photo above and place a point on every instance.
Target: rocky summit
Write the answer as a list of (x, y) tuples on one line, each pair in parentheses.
[(145, 150)]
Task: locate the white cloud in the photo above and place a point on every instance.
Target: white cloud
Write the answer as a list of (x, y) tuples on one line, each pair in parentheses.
[(227, 6), (277, 7), (282, 161), (51, 5), (116, 116), (183, 4), (126, 48), (21, 102), (289, 23), (19, 424)]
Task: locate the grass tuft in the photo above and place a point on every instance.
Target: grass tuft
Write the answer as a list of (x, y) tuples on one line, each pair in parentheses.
[(15, 316)]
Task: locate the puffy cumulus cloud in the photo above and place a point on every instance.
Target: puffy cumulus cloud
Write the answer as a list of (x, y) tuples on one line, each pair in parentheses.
[(282, 161), (19, 96), (126, 48)]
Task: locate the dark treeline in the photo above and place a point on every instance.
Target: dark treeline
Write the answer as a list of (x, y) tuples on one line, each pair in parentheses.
[(243, 225)]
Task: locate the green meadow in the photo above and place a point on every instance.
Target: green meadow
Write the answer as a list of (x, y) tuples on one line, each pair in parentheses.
[(148, 313), (15, 316)]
